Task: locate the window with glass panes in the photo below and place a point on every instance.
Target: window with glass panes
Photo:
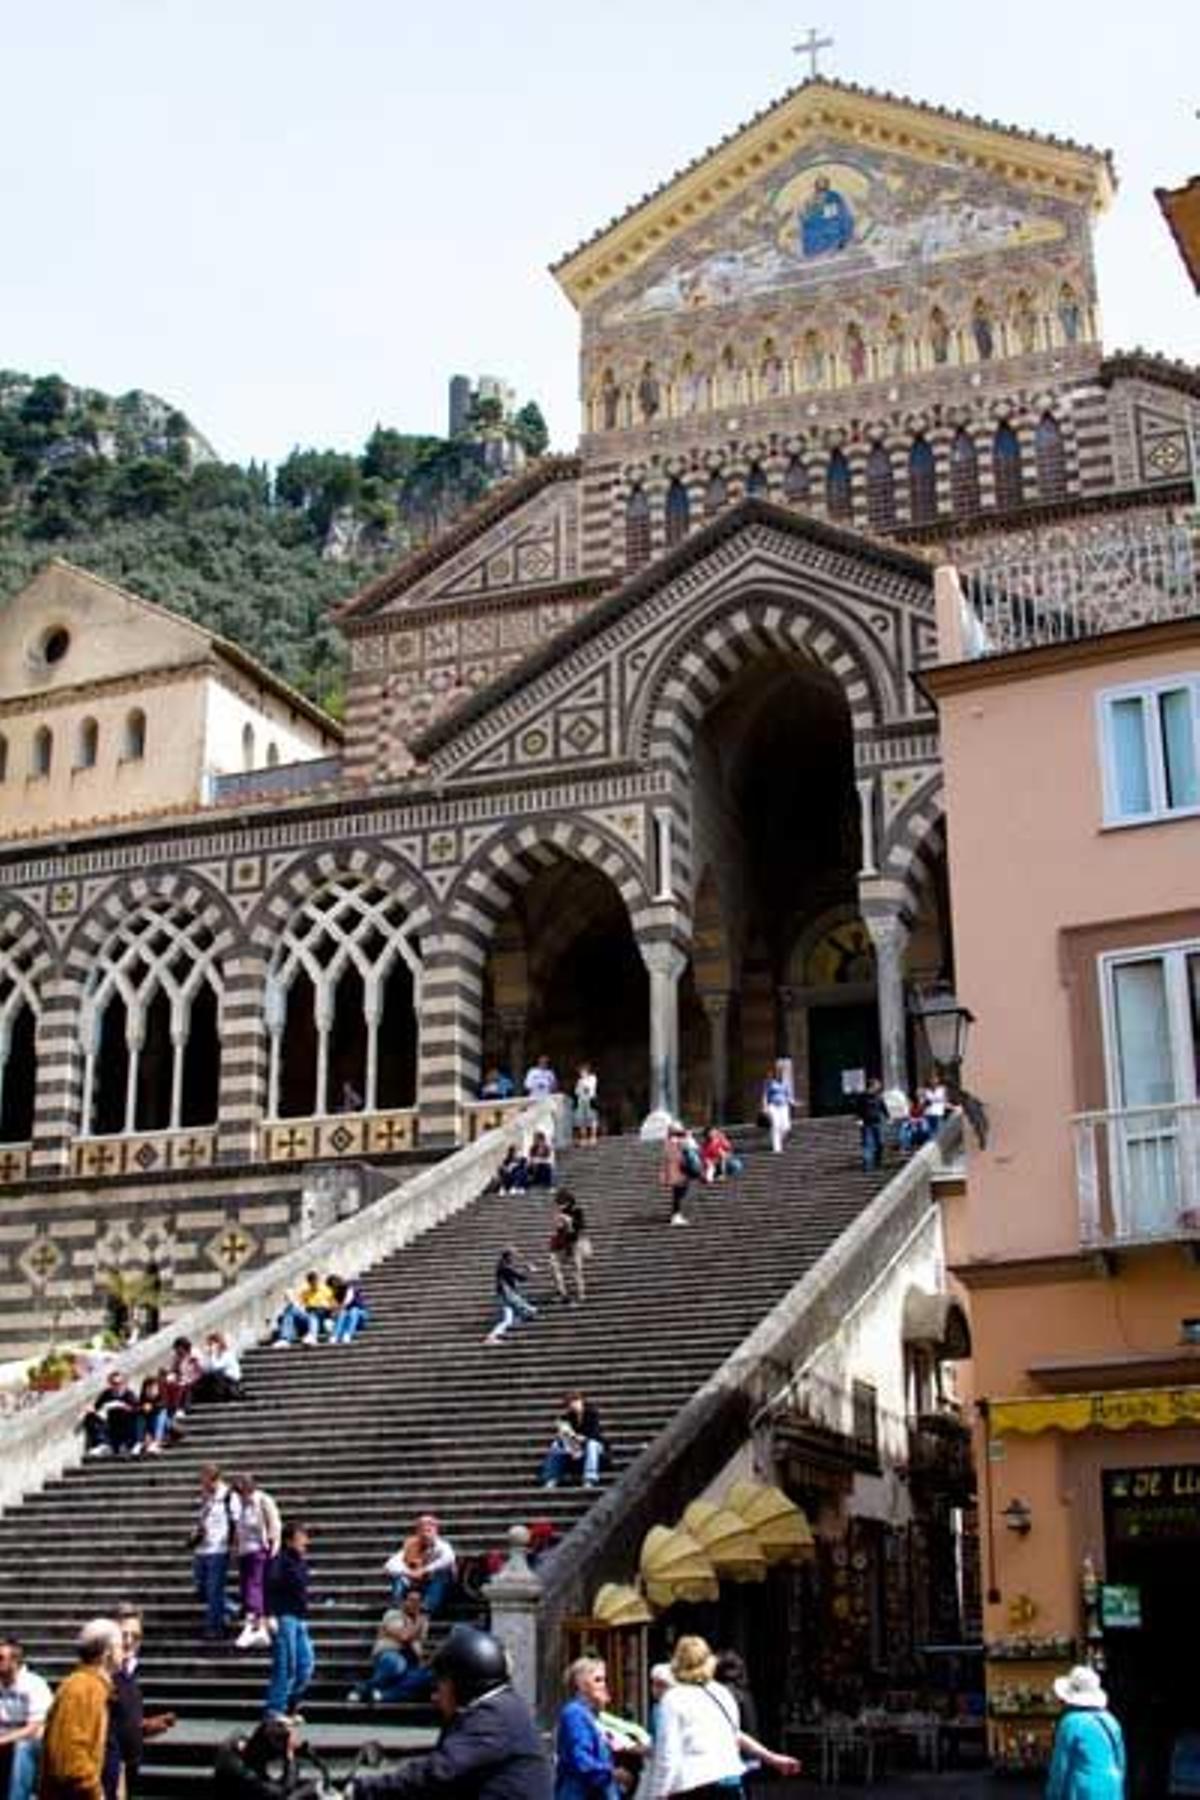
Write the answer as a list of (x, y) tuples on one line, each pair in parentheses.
[(1150, 746)]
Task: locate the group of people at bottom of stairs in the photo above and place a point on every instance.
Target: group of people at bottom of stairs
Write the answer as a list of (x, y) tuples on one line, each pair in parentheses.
[(325, 1309), (121, 1422), (85, 1741), (570, 1250)]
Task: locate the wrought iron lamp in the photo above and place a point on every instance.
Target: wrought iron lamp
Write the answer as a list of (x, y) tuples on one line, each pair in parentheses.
[(1018, 1516), (946, 1025)]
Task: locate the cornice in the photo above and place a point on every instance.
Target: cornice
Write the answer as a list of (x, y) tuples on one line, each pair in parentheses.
[(52, 699), (475, 606), (1067, 170), (941, 679)]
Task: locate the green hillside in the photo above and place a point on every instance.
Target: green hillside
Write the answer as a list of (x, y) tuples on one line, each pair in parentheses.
[(127, 487)]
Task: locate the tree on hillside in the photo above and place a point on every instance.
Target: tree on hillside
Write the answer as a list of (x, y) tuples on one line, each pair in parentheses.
[(530, 430)]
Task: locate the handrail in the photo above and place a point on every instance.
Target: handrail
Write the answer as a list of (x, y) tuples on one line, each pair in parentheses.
[(37, 1445)]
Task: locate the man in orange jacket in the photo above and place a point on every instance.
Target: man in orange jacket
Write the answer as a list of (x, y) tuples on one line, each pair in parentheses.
[(77, 1723)]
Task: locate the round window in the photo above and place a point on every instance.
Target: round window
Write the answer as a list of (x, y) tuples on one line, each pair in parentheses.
[(55, 644)]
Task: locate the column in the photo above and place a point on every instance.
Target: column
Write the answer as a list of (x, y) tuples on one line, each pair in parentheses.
[(513, 1023), (665, 962), (716, 1011), (889, 933), (794, 1013), (61, 1057), (450, 1021)]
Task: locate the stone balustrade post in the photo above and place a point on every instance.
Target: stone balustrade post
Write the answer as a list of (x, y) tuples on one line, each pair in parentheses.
[(514, 1598)]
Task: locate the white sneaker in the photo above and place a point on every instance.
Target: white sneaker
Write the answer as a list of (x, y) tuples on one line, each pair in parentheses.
[(281, 1344), (247, 1637), (678, 1219), (260, 1639)]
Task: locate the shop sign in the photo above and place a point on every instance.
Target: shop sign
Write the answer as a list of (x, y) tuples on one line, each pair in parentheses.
[(1115, 1411), (1120, 1607), (1153, 1505)]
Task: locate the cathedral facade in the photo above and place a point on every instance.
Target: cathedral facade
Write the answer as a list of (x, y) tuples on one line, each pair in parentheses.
[(636, 769)]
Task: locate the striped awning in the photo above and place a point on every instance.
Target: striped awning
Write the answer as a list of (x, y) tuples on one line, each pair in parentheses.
[(1116, 1411)]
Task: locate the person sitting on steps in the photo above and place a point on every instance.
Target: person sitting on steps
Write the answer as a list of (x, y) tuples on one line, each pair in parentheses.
[(717, 1159), (398, 1669), (541, 1161), (110, 1422), (304, 1318), (221, 1370), (425, 1564), (351, 1315), (512, 1177), (578, 1447)]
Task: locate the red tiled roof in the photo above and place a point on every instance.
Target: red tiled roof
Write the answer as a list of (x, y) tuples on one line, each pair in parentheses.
[(496, 504), (838, 87)]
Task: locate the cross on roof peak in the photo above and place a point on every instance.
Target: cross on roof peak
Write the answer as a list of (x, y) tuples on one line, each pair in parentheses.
[(812, 46)]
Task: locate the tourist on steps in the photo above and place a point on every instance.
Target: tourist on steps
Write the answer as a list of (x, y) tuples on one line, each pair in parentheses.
[(541, 1081), (673, 1174), (511, 1303), (777, 1107), (152, 1420), (293, 1659), (220, 1370), (489, 1748), (717, 1159), (24, 1703), (77, 1724), (210, 1545), (497, 1085), (872, 1116), (257, 1537), (512, 1177), (110, 1422), (398, 1670), (583, 1758), (264, 1764), (540, 1161), (570, 1246), (586, 1119), (180, 1377), (129, 1724), (578, 1448), (700, 1744), (351, 1315), (425, 1564)]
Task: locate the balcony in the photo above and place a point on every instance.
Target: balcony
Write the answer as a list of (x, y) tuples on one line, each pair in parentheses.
[(939, 1456), (1116, 576), (1138, 1175)]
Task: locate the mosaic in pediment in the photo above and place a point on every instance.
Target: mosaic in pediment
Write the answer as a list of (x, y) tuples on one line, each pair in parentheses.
[(535, 546), (836, 214)]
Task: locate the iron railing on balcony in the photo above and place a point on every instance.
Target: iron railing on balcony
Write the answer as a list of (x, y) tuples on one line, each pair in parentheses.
[(1138, 1174), (1113, 577), (283, 778)]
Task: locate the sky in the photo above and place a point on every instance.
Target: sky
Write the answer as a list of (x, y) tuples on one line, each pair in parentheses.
[(296, 219)]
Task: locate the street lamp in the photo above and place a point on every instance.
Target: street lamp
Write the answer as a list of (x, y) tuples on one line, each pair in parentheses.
[(946, 1025)]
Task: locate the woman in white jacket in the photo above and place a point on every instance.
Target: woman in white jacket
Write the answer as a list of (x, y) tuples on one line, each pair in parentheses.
[(699, 1744)]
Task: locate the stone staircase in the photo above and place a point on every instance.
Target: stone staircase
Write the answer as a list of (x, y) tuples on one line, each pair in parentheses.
[(420, 1414)]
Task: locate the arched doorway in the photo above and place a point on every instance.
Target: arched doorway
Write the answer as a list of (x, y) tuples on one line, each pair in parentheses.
[(564, 979), (777, 844)]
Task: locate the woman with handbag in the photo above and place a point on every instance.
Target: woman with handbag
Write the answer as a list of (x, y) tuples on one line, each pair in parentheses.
[(700, 1745), (570, 1246)]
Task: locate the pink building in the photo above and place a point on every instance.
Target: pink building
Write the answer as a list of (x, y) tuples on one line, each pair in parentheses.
[(1069, 698)]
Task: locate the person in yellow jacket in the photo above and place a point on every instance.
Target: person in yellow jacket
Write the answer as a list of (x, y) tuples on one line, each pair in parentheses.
[(77, 1724)]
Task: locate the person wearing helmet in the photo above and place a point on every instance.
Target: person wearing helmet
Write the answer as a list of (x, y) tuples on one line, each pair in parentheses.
[(489, 1747)]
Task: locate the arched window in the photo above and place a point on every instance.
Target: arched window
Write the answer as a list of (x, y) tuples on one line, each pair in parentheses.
[(151, 1024), (881, 489), (247, 746), (922, 482), (41, 755), (88, 745), (757, 486), (1051, 459), (134, 747), (1006, 468), (3, 757), (20, 955), (342, 998), (839, 503), (637, 529), (715, 493), (964, 475), (272, 755), (678, 516), (796, 485)]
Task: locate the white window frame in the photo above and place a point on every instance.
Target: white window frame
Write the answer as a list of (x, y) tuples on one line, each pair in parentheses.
[(1146, 692), (1177, 1012)]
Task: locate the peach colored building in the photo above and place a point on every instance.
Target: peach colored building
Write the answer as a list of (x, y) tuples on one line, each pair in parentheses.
[(1071, 737)]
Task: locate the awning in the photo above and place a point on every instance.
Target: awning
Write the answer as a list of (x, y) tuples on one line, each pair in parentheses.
[(776, 1521), (733, 1549), (675, 1567), (938, 1321), (1114, 1411), (618, 1603)]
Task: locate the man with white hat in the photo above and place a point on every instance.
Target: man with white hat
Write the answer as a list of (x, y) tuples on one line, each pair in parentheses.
[(1089, 1750)]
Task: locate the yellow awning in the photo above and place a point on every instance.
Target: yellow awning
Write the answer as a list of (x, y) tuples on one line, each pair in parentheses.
[(1115, 1411), (675, 1567), (619, 1603), (732, 1546), (777, 1522)]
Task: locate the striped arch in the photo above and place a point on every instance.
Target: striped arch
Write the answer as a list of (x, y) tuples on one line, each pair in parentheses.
[(694, 669), (26, 963), (183, 889), (309, 874), (484, 888), (915, 840)]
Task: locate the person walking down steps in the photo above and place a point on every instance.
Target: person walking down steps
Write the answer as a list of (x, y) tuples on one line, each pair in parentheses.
[(673, 1174), (570, 1247)]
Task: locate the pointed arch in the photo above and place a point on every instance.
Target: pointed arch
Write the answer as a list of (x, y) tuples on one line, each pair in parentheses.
[(1051, 459), (677, 521), (881, 488), (922, 482), (796, 485), (716, 493), (839, 492), (637, 529), (964, 475), (25, 962), (1007, 475)]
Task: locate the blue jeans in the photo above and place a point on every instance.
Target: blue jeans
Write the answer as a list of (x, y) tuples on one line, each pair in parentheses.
[(152, 1426), (872, 1146), (560, 1462), (209, 1569), (295, 1323), (292, 1665), (434, 1593), (393, 1677), (25, 1768), (348, 1324)]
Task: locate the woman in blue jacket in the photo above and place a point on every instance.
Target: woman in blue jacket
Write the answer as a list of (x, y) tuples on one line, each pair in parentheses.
[(583, 1759), (1089, 1750)]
